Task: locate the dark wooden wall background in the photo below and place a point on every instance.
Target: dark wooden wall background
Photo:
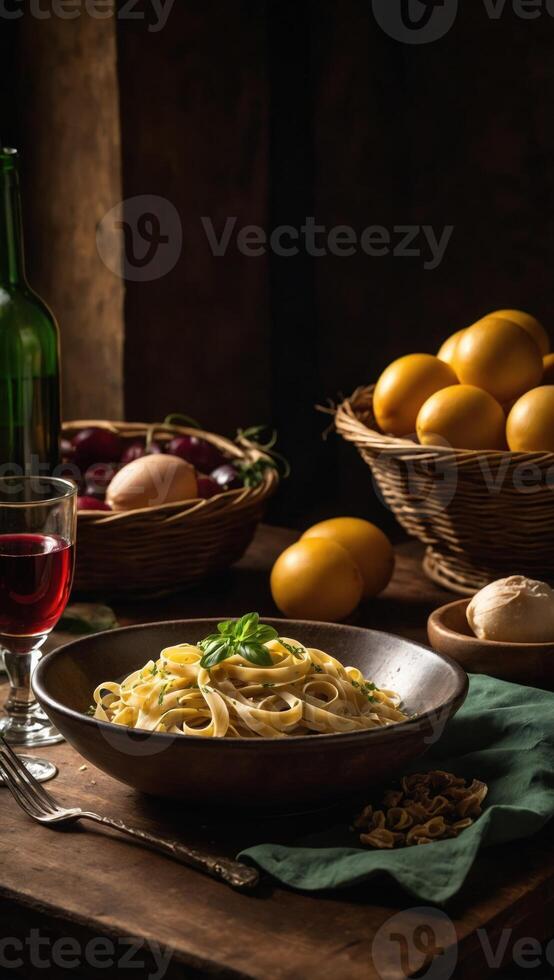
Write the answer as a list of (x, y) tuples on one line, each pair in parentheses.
[(274, 110)]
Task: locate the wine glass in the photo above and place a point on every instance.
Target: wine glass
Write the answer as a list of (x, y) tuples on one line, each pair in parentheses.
[(37, 537)]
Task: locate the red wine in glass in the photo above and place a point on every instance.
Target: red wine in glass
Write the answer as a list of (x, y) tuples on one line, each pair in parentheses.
[(35, 579)]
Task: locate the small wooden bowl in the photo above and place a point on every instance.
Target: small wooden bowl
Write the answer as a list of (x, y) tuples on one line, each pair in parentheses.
[(523, 663)]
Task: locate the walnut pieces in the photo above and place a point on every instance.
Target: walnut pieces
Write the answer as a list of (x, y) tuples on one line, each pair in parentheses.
[(427, 807)]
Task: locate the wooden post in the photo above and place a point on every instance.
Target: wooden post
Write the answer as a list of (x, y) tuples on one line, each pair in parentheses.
[(72, 177)]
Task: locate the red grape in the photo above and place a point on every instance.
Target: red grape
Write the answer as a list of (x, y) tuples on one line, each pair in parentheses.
[(137, 449), (199, 452), (98, 477), (227, 477), (68, 471), (207, 487), (91, 503), (96, 445), (66, 449)]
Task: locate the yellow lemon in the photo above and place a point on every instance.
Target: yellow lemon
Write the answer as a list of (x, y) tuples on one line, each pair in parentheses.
[(366, 545), (500, 357), (530, 426), (463, 417), (548, 364), (404, 386), (529, 323), (448, 350), (316, 579)]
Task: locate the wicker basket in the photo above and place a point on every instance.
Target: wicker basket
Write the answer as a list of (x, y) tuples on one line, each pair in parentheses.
[(482, 515), (159, 550)]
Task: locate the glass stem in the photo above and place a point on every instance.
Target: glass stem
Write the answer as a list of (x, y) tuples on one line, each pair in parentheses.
[(25, 723), (21, 700)]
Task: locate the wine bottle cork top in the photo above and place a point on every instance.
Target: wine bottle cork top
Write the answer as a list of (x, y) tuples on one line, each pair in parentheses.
[(8, 158)]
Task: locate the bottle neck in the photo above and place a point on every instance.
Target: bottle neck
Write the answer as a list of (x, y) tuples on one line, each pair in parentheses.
[(12, 260)]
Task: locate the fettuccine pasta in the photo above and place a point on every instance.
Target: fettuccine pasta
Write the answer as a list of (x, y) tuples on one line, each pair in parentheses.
[(304, 692)]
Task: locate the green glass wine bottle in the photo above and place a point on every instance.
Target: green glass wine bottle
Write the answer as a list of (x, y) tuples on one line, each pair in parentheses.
[(29, 348)]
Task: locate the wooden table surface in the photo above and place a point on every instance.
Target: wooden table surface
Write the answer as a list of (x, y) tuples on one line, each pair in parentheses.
[(84, 884)]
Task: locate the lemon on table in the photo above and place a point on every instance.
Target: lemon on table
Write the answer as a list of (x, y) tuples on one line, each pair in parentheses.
[(530, 425), (403, 387), (529, 323), (548, 365), (500, 357), (447, 351), (316, 579), (464, 417), (367, 546)]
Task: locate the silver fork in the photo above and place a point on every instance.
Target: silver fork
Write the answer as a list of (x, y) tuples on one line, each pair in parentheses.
[(41, 806)]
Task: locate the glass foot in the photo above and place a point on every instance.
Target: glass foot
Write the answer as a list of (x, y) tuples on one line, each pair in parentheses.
[(41, 769), (30, 729)]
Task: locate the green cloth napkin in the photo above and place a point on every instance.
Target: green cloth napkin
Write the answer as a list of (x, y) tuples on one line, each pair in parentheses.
[(503, 735)]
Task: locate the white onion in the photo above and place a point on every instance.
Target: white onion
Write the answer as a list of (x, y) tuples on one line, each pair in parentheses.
[(151, 481), (515, 610)]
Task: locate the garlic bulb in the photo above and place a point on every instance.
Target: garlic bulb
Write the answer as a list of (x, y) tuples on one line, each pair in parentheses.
[(515, 610)]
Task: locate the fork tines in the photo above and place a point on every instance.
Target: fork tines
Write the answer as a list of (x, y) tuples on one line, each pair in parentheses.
[(30, 795)]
